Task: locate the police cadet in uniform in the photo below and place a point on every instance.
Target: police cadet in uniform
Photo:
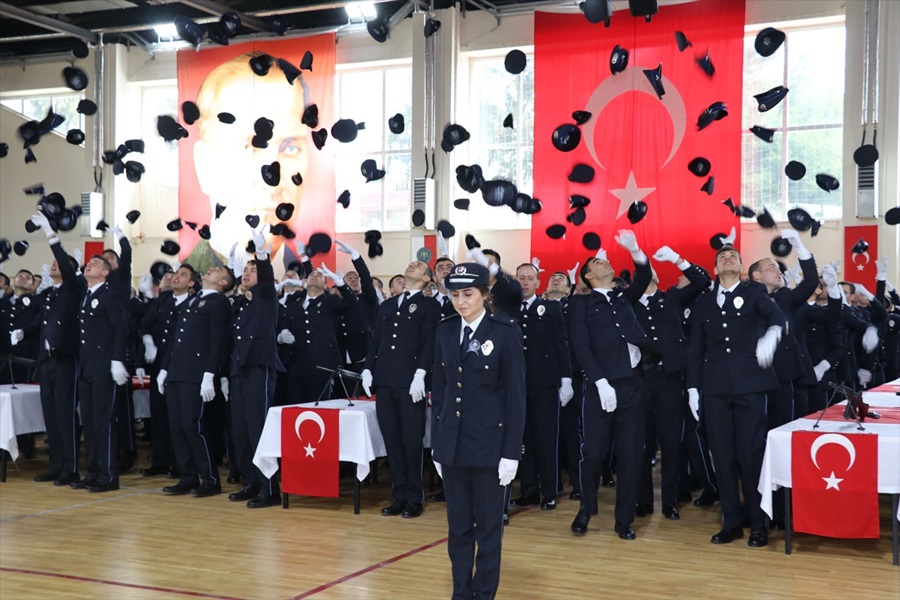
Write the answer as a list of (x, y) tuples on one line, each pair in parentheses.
[(606, 337), (101, 373), (355, 332), (292, 294), (187, 378), (505, 290), (442, 268), (254, 364), (478, 418), (401, 353), (734, 335), (19, 312), (548, 385), (659, 315)]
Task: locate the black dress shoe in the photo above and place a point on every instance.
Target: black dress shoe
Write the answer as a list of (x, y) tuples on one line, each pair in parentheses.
[(683, 497), (575, 495), (439, 497), (642, 510), (153, 471), (179, 489), (412, 510), (670, 512), (580, 524), (82, 483), (625, 531), (777, 524), (206, 489), (109, 486), (758, 539), (48, 476), (548, 503), (706, 499), (265, 501), (394, 509), (67, 479), (726, 536), (608, 482), (232, 479), (523, 501), (248, 492)]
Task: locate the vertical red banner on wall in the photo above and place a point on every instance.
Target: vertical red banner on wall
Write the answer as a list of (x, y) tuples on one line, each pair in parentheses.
[(860, 267), (639, 145)]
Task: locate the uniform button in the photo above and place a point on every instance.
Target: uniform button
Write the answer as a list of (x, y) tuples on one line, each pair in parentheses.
[(394, 335), (727, 340), (486, 367), (728, 350), (307, 331), (397, 313), (307, 321), (45, 322), (650, 317), (395, 324), (459, 369), (239, 337), (457, 413), (458, 400), (524, 324), (653, 327), (181, 330), (724, 324), (524, 337), (459, 384), (393, 347), (617, 324), (723, 312)]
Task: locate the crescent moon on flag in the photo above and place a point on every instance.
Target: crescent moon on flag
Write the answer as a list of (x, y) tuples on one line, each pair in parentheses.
[(633, 80), (832, 438), (308, 415), (866, 254)]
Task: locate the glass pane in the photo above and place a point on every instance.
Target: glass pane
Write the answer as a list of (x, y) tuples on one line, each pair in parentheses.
[(160, 158), (821, 152), (760, 75), (35, 108), (397, 195), (66, 106), (364, 211), (814, 57), (14, 104), (362, 99), (763, 177), (398, 99)]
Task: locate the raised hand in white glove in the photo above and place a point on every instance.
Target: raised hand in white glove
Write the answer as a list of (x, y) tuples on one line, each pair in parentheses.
[(794, 238), (366, 381), (865, 377), (259, 241), (608, 401), (140, 373), (146, 285), (836, 265), (16, 336), (301, 249), (437, 466), (601, 254), (225, 387), (442, 245), (829, 277), (119, 372), (565, 391), (666, 254), (161, 381), (573, 273), (881, 269), (821, 369), (506, 470), (861, 289), (285, 337), (417, 387), (766, 345), (870, 339), (78, 257), (793, 276), (627, 240), (41, 220), (342, 247), (149, 348), (337, 279), (694, 402), (536, 263), (207, 387), (117, 231), (732, 235)]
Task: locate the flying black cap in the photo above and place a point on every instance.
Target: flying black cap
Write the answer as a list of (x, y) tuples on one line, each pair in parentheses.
[(252, 221), (555, 232), (682, 41), (174, 225), (344, 199), (799, 219), (133, 216), (284, 211), (20, 248), (471, 242), (705, 63), (566, 137), (159, 269), (618, 59), (133, 171), (582, 173), (892, 216), (795, 170), (591, 241), (170, 129), (577, 216), (461, 204), (768, 41), (498, 192), (75, 78), (345, 130), (75, 137), (827, 182), (369, 169), (515, 62), (714, 112), (319, 243), (397, 124), (766, 135), (637, 211), (709, 187), (780, 247), (86, 107), (765, 219), (271, 174), (699, 166), (190, 112), (319, 138), (771, 98), (170, 248), (446, 228), (469, 178), (654, 76), (859, 247), (508, 121), (310, 116)]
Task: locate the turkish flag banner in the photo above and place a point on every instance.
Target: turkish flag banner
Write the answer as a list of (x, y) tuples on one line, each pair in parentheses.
[(646, 151), (310, 451), (835, 484), (859, 267)]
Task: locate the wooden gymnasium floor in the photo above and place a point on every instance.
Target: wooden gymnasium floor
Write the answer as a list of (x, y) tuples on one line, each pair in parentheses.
[(137, 543)]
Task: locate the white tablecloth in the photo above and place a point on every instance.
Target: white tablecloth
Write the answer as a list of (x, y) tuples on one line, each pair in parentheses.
[(20, 412), (360, 443), (140, 399), (884, 395)]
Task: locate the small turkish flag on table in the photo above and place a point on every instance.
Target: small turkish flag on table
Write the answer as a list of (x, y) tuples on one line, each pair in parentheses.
[(835, 484), (310, 451)]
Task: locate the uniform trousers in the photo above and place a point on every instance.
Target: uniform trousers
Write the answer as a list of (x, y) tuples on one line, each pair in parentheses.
[(664, 414), (125, 422), (538, 470), (736, 429), (475, 503), (189, 436), (625, 427), (570, 431), (696, 454), (402, 424), (214, 421), (160, 438), (252, 393), (97, 397), (58, 375)]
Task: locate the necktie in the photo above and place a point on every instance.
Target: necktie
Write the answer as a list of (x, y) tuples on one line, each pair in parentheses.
[(464, 345), (87, 299), (524, 307), (403, 298), (726, 298), (445, 301)]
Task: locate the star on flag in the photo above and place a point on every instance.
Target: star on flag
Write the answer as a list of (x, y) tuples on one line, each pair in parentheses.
[(310, 451), (630, 194), (832, 482)]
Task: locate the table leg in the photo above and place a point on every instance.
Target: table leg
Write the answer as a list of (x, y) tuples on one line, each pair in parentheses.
[(3, 466), (284, 500), (895, 528), (355, 496), (788, 521)]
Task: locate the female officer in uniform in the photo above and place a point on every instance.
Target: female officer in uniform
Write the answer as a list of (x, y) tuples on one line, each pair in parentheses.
[(478, 411)]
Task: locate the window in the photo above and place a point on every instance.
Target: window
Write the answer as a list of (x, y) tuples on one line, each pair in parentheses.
[(502, 152), (35, 109), (372, 95), (808, 123)]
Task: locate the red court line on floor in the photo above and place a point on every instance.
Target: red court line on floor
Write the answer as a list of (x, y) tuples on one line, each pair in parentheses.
[(116, 583), (369, 569)]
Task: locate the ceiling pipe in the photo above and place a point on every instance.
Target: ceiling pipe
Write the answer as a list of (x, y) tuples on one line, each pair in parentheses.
[(214, 8), (14, 12)]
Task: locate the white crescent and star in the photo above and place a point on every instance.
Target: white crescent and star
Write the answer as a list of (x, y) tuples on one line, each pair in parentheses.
[(309, 415), (832, 438), (861, 266)]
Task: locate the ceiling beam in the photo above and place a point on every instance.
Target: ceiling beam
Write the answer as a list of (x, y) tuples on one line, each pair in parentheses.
[(14, 12), (215, 8)]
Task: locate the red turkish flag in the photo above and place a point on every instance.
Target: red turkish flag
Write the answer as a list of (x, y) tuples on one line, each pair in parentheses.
[(860, 268), (639, 145), (835, 484), (310, 451)]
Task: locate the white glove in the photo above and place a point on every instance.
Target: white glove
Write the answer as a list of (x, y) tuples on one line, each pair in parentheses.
[(865, 377), (794, 238), (870, 339), (694, 402), (417, 387), (607, 395), (337, 279), (301, 249), (149, 348), (146, 285), (565, 391), (507, 470), (259, 241), (792, 276), (342, 247), (766, 345), (285, 337), (573, 273), (627, 240), (477, 255), (78, 257), (881, 269), (226, 389), (16, 336), (536, 263), (601, 254), (861, 289), (119, 372), (46, 280), (442, 245), (437, 465), (41, 220), (729, 239), (140, 373), (235, 260), (821, 369), (161, 381), (666, 254), (207, 387), (367, 381), (829, 277), (117, 231)]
